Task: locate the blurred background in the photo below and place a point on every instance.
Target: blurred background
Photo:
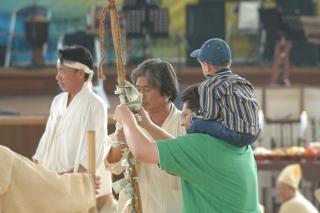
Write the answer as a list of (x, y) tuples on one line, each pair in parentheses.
[(171, 31), (261, 34)]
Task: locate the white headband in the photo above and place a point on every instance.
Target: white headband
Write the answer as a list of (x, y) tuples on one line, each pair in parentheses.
[(78, 66)]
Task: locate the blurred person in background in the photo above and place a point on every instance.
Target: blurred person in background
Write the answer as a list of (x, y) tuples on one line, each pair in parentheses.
[(279, 31), (292, 201)]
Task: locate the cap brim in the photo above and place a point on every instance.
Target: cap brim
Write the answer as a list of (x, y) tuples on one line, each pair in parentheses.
[(195, 53)]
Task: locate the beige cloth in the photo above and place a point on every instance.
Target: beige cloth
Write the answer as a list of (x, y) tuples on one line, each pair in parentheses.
[(110, 205), (298, 204), (160, 191), (63, 146), (26, 187)]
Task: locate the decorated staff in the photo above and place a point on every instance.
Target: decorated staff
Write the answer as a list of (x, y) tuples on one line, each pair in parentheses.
[(129, 95)]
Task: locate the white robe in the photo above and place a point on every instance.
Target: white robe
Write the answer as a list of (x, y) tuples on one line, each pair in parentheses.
[(298, 204), (26, 187), (63, 146), (160, 192)]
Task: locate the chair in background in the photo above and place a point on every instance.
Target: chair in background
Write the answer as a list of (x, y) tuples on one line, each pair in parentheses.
[(282, 108), (312, 106), (4, 35), (27, 36)]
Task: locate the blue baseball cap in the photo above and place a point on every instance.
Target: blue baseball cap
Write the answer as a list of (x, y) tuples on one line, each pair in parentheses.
[(214, 51)]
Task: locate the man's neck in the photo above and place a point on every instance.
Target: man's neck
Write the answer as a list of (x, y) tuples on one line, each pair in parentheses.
[(70, 98), (72, 94), (159, 116)]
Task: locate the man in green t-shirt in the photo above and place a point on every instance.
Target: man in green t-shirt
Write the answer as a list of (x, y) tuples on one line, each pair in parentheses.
[(216, 177)]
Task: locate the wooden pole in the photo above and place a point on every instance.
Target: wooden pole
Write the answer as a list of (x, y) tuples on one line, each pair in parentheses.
[(91, 143), (116, 38), (91, 152)]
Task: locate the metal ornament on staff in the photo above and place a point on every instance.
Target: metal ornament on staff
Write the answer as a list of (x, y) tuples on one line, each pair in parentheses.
[(129, 95)]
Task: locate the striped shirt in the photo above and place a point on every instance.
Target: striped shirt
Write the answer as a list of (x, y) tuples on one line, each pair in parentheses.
[(227, 97)]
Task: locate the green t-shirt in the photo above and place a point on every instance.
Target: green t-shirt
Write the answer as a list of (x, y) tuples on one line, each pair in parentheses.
[(215, 176)]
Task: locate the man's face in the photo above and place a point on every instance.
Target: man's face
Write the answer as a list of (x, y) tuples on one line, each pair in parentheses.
[(69, 80), (152, 101), (186, 116), (284, 192)]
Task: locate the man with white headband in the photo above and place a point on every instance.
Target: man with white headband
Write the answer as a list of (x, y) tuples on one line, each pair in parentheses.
[(63, 146)]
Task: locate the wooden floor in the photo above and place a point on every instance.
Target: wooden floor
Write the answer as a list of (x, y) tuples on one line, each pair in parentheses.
[(35, 105)]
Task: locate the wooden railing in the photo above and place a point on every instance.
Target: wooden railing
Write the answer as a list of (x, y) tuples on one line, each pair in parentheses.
[(22, 133), (42, 81)]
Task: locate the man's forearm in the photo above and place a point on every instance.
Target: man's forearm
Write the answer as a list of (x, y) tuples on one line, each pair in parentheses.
[(115, 154), (140, 145)]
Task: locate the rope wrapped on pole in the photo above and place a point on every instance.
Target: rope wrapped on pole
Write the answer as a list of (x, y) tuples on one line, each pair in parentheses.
[(102, 42), (116, 37), (129, 95)]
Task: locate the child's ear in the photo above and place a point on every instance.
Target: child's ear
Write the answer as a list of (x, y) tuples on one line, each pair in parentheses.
[(207, 66)]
